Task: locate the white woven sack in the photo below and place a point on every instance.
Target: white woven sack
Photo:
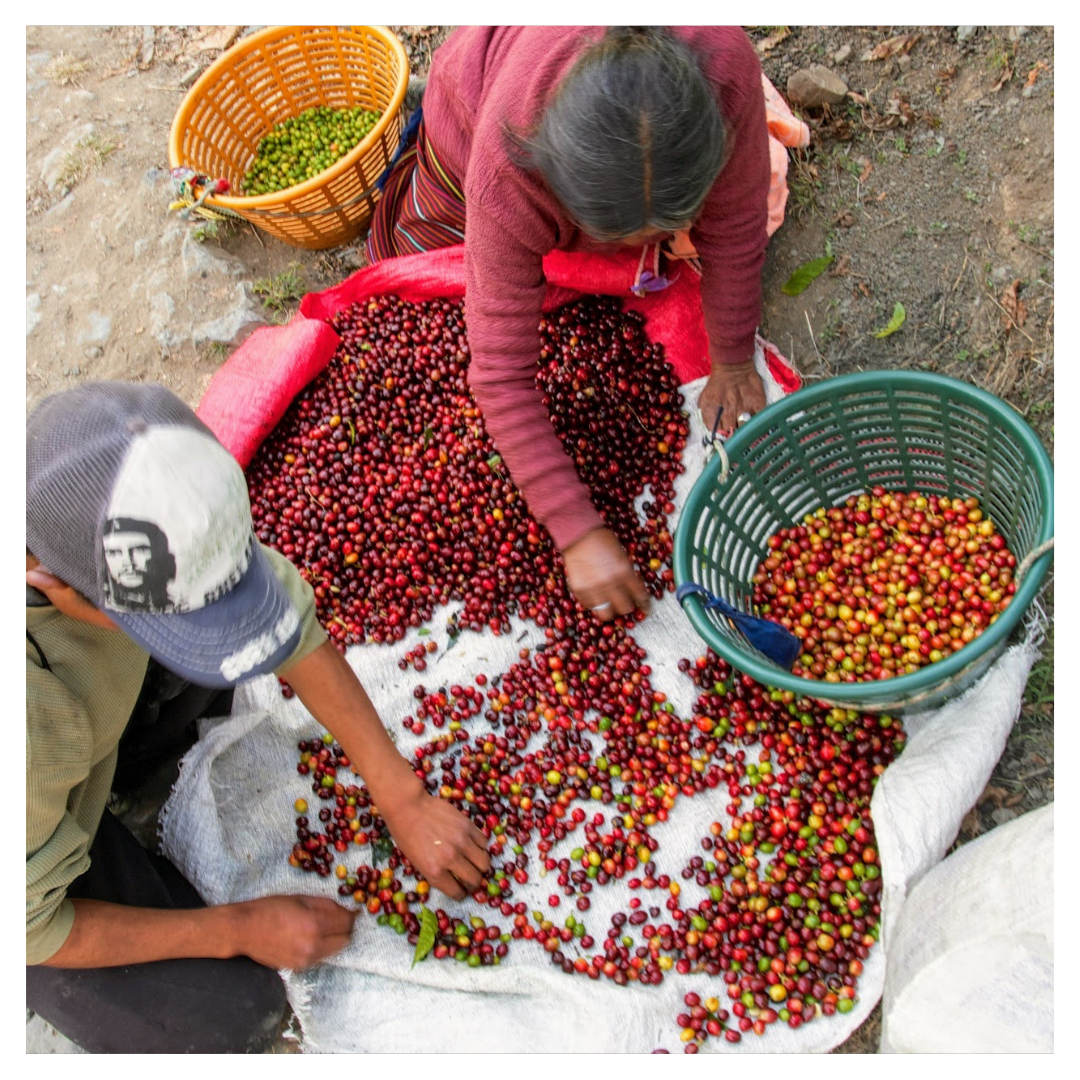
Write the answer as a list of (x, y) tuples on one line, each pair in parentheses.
[(229, 826), (971, 960)]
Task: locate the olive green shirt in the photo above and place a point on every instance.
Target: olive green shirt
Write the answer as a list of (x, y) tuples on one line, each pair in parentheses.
[(75, 715)]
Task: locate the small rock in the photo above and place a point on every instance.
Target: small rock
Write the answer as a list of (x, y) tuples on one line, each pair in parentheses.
[(1017, 32), (1012, 103), (33, 312), (62, 206), (187, 80), (73, 372), (965, 33), (140, 247), (351, 259), (815, 86), (100, 329), (94, 352), (236, 325), (903, 62), (1003, 814), (842, 55), (1027, 91), (199, 259), (152, 176)]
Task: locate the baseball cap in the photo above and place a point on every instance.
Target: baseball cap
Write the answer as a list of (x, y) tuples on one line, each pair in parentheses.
[(131, 500)]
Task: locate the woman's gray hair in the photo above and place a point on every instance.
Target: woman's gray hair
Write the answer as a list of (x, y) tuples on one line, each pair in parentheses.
[(633, 137)]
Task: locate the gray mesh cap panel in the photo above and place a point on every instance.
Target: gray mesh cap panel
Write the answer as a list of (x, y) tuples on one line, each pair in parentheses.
[(76, 442)]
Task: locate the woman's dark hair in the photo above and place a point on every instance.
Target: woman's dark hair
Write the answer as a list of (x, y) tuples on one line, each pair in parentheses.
[(632, 138)]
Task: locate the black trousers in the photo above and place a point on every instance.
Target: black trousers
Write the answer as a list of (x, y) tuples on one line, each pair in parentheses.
[(170, 1006)]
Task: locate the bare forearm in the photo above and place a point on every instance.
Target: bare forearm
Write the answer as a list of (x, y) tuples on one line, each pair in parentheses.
[(333, 694), (113, 935)]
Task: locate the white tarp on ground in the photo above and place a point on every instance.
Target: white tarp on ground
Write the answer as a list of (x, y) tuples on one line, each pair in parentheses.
[(229, 826)]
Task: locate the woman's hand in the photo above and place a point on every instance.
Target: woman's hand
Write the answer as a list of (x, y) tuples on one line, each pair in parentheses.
[(737, 388), (438, 839), (601, 577)]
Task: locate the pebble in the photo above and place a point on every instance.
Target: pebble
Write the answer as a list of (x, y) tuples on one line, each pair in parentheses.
[(1003, 814), (94, 352), (903, 62), (842, 55), (1017, 32), (100, 329), (965, 33), (33, 312), (814, 86), (245, 314)]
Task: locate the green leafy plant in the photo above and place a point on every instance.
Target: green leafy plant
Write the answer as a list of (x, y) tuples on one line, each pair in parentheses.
[(281, 290)]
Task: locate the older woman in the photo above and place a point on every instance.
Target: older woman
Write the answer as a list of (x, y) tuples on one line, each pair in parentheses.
[(575, 138)]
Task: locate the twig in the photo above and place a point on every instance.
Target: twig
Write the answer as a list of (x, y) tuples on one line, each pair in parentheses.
[(257, 236), (821, 359), (891, 221)]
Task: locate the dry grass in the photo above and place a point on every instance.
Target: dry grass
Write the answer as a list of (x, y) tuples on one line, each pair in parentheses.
[(85, 157), (65, 69)]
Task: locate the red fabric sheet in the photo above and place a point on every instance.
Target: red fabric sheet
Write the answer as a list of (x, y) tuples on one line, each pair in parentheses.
[(253, 389)]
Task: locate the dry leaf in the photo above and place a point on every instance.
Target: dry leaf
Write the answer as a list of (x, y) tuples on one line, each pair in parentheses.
[(857, 98), (996, 795), (883, 195), (766, 44), (946, 74), (1034, 73), (893, 46), (898, 105), (1015, 308), (842, 267), (1006, 75), (216, 37), (864, 289), (845, 219), (971, 826), (867, 169), (1016, 798)]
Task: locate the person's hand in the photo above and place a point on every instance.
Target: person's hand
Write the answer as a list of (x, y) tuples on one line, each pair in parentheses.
[(735, 387), (290, 931), (63, 597), (439, 840), (601, 578)]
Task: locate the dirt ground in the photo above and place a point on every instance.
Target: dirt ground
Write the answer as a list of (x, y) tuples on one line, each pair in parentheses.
[(931, 185)]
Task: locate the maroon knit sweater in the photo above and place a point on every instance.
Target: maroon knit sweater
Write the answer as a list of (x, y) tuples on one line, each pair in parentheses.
[(484, 78)]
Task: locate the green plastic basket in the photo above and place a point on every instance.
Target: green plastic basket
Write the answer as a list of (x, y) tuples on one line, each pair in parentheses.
[(841, 437)]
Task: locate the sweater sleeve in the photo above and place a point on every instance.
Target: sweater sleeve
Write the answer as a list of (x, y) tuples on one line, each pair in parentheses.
[(506, 239), (59, 781), (730, 233)]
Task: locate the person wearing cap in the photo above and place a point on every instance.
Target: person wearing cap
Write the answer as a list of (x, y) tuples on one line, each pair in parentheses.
[(148, 599)]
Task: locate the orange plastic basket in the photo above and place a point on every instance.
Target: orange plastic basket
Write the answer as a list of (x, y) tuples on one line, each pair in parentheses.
[(274, 75)]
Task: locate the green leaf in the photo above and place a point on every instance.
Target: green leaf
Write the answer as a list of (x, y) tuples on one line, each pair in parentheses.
[(425, 940), (381, 849), (423, 631), (804, 275), (897, 320)]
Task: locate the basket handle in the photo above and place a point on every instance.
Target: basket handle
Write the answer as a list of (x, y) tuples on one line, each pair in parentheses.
[(1034, 554), (714, 444)]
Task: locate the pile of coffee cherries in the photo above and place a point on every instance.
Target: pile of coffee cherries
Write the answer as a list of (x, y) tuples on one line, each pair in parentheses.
[(885, 584), (302, 146), (381, 484)]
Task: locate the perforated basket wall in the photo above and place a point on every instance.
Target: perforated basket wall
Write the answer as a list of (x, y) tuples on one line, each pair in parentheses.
[(900, 430), (276, 74)]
